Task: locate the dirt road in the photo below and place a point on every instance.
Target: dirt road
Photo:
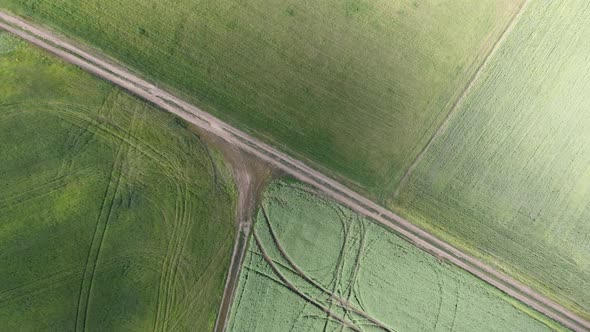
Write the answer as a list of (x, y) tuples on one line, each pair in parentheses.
[(250, 176), (132, 83)]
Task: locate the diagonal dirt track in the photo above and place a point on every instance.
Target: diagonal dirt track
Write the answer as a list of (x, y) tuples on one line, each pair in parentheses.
[(117, 75)]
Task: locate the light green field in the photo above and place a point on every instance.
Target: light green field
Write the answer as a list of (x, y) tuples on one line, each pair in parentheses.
[(331, 255), (113, 216), (510, 178), (355, 86)]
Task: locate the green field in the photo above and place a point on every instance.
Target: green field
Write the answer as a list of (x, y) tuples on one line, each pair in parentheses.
[(113, 216), (332, 256), (356, 87), (510, 177)]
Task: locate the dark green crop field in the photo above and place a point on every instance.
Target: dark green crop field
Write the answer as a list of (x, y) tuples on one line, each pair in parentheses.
[(113, 216), (356, 87), (509, 179)]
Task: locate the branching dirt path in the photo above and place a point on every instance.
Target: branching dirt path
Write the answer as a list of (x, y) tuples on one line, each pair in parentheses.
[(250, 176), (117, 75)]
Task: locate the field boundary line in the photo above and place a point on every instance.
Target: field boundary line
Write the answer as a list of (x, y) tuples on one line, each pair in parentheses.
[(299, 170), (459, 101)]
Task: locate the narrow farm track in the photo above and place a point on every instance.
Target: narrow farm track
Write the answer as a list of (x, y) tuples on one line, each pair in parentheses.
[(331, 188), (235, 265), (246, 187)]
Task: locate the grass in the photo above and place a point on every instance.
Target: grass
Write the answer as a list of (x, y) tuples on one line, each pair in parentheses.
[(327, 252), (510, 177), (354, 87), (112, 216)]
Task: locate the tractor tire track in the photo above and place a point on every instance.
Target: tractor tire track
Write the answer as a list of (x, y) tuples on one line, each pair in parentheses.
[(350, 289), (104, 216), (195, 291), (456, 307), (37, 286), (166, 263), (45, 188), (345, 304), (176, 240), (297, 291), (185, 227), (77, 141), (337, 273)]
